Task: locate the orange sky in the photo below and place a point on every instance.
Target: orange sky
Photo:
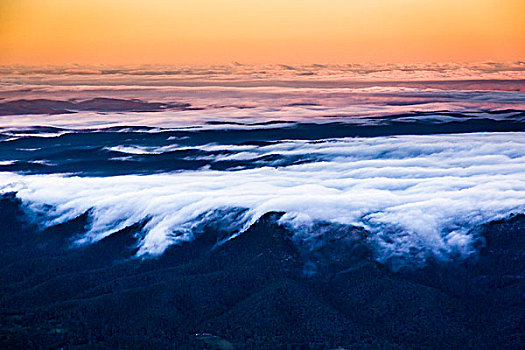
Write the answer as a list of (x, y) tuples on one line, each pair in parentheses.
[(259, 31)]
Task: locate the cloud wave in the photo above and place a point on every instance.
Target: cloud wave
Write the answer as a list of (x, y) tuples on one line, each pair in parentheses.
[(417, 195)]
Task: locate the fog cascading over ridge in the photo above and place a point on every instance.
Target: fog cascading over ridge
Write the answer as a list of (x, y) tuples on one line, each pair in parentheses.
[(416, 195)]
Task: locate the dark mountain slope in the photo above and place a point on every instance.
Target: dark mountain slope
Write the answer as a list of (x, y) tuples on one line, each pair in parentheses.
[(258, 291)]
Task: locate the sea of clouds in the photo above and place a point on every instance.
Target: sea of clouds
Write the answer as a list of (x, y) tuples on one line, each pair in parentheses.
[(248, 107), (417, 196)]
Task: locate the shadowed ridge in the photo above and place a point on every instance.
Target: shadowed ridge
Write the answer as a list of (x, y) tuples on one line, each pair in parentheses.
[(492, 282), (253, 291), (98, 104)]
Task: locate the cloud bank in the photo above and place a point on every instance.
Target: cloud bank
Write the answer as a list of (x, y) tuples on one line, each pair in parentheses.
[(417, 195)]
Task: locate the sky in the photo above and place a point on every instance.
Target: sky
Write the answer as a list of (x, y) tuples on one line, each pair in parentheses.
[(116, 32)]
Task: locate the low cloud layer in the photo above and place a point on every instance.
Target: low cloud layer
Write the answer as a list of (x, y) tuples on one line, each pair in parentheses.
[(416, 195), (215, 108), (482, 70)]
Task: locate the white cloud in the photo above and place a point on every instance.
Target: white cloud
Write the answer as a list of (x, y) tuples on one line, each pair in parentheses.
[(425, 192)]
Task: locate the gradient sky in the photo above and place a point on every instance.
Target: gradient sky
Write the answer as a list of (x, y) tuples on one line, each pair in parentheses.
[(260, 31)]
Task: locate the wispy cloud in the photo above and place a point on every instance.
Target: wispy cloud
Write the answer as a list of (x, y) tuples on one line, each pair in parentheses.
[(417, 195)]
